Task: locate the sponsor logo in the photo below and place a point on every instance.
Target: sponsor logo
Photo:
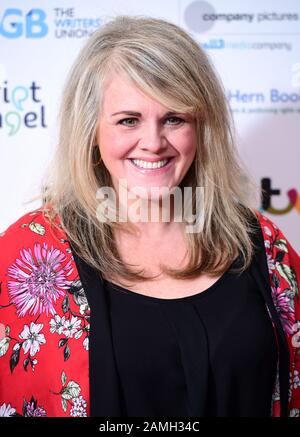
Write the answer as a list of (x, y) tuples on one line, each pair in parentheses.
[(293, 198), (201, 16), (24, 107), (274, 101), (15, 23), (68, 25), (274, 96), (221, 43)]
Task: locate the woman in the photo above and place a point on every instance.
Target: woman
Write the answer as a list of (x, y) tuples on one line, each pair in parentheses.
[(106, 313)]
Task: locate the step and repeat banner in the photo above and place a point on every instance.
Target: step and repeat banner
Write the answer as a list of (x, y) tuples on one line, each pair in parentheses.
[(255, 47)]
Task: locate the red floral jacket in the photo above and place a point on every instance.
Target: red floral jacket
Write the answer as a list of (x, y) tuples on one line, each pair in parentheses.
[(45, 320)]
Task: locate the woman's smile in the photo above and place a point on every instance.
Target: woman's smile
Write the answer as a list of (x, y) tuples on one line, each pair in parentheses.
[(157, 167)]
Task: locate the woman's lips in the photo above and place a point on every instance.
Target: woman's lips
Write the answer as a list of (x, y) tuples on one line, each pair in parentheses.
[(153, 171)]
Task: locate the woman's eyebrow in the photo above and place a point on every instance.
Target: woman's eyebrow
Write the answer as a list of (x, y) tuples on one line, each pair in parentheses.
[(138, 114)]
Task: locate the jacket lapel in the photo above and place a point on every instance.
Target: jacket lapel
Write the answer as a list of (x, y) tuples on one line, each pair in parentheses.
[(105, 389), (260, 272)]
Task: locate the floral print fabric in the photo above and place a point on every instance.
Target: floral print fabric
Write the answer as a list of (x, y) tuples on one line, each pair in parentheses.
[(44, 324), (45, 316)]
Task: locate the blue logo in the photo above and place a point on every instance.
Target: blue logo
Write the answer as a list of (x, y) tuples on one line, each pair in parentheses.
[(14, 24)]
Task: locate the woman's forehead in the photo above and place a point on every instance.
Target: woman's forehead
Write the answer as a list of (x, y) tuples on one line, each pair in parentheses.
[(120, 93)]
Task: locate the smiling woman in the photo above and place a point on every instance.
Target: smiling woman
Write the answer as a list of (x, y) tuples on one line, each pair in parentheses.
[(126, 317)]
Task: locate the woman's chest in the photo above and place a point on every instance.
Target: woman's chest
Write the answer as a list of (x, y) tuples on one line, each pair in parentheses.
[(169, 288), (150, 257)]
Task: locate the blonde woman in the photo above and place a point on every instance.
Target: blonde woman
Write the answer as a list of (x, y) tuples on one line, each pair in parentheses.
[(108, 312)]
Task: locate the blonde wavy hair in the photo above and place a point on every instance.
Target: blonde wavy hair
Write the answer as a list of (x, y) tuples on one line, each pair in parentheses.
[(168, 65)]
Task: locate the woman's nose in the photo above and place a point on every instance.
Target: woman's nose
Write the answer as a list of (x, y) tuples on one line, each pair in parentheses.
[(153, 138)]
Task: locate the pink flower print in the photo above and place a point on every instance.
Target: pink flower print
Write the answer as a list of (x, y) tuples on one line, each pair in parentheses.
[(7, 410), (33, 339), (39, 279), (79, 407), (30, 409), (284, 309)]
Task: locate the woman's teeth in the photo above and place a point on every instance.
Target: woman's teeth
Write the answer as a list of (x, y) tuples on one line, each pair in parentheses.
[(147, 164)]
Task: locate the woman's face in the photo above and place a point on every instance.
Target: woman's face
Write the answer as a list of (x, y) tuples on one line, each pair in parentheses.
[(141, 141)]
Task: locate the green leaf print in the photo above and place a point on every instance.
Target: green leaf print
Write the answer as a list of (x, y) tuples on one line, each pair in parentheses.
[(289, 275), (4, 345), (279, 257), (66, 304), (37, 228), (14, 359), (64, 404), (281, 244), (63, 378), (71, 391), (67, 352)]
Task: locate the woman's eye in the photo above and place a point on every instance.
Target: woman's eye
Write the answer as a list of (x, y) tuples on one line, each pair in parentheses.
[(128, 121), (175, 120)]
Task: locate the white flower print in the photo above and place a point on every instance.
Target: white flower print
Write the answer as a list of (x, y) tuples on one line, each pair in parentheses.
[(276, 391), (71, 327), (17, 346), (267, 244), (271, 263), (79, 407), (294, 412), (33, 339), (296, 336), (57, 324), (86, 343), (268, 231), (78, 334), (7, 410), (295, 379), (33, 364), (84, 308)]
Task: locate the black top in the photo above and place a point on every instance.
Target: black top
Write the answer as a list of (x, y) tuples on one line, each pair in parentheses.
[(210, 354)]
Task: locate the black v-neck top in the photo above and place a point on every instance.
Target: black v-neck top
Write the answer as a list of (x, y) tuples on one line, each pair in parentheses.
[(214, 353), (209, 354)]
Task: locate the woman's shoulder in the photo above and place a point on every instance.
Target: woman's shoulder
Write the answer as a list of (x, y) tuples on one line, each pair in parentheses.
[(32, 227), (42, 307), (284, 271), (276, 243), (36, 265), (31, 240)]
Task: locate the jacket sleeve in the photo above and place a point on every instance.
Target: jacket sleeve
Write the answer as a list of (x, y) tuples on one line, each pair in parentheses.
[(284, 274), (44, 323)]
